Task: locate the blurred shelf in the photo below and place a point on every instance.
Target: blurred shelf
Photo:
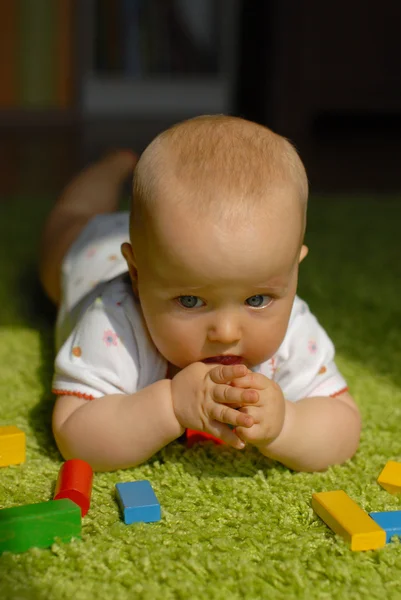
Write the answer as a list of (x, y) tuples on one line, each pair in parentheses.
[(146, 93), (156, 96), (188, 61)]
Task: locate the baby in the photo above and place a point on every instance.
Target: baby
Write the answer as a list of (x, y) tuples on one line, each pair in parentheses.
[(183, 313)]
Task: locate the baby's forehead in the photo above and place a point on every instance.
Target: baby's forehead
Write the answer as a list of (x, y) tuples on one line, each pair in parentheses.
[(197, 209), (221, 276), (209, 251), (210, 198)]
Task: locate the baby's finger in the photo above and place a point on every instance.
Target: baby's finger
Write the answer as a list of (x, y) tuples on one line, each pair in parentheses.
[(225, 373), (249, 436), (226, 434), (253, 411), (234, 396), (230, 416), (256, 381)]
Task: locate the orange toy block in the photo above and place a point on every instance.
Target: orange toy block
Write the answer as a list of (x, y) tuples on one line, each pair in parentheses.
[(194, 437), (390, 477), (349, 520), (12, 446)]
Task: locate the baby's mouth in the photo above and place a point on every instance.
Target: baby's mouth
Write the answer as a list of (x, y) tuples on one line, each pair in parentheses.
[(225, 360)]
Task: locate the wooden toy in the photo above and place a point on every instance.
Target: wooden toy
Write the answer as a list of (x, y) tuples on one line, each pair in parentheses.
[(390, 521), (75, 482), (37, 525), (12, 446), (390, 477), (194, 437), (347, 519), (138, 502)]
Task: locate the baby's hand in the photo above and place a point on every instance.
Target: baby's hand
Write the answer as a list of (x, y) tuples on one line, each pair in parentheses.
[(204, 400), (267, 409)]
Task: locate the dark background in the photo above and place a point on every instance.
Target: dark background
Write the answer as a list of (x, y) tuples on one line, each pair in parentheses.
[(327, 75), (332, 83)]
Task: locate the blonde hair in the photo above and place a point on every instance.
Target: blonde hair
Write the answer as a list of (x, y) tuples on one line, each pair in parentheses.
[(215, 164)]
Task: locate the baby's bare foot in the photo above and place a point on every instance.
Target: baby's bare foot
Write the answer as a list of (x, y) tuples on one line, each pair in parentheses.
[(97, 188), (120, 161)]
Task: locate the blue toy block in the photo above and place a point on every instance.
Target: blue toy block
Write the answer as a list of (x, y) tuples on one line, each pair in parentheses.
[(390, 521), (138, 502)]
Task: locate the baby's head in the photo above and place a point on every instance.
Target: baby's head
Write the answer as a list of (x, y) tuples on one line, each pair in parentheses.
[(217, 227)]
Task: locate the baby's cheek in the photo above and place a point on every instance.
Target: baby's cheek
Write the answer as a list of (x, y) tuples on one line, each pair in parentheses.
[(160, 337), (158, 325), (175, 344)]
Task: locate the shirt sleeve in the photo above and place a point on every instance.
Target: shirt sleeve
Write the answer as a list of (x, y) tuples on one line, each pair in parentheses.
[(304, 364), (100, 356)]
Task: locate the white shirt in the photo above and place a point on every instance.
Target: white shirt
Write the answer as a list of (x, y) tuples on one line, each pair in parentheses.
[(104, 348)]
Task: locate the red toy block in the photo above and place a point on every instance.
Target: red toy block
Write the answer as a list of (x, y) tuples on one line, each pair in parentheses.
[(75, 482), (194, 437)]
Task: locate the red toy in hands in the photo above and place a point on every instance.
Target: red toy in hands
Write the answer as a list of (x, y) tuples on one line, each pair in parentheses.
[(194, 437)]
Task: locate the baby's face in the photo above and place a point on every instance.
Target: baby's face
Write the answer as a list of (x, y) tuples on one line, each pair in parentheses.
[(208, 290)]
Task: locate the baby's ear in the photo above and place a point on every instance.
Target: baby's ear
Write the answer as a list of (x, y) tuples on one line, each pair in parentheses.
[(126, 251), (303, 253)]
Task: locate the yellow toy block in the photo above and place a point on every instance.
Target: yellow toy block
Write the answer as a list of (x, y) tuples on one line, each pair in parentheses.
[(390, 477), (12, 446), (346, 518)]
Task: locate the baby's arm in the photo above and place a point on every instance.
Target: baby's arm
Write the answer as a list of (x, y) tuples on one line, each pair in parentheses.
[(116, 431), (317, 432), (322, 426)]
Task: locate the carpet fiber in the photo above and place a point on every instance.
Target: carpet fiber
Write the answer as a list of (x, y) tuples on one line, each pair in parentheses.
[(234, 525)]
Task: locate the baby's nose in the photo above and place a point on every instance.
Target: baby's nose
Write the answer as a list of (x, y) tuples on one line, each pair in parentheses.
[(225, 330)]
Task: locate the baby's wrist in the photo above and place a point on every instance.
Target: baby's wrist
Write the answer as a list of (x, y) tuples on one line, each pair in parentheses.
[(164, 408), (274, 447), (175, 429)]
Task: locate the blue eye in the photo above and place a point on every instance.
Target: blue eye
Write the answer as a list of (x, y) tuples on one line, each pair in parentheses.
[(257, 301), (188, 301)]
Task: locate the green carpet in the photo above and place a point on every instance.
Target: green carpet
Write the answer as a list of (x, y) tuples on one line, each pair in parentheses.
[(233, 524)]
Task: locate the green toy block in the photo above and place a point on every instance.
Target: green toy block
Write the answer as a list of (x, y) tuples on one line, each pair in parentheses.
[(37, 525)]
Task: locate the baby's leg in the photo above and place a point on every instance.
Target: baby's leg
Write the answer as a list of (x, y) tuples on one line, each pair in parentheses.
[(95, 190)]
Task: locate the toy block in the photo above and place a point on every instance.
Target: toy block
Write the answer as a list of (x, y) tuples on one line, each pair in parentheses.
[(390, 521), (12, 446), (75, 482), (138, 502), (195, 437), (37, 525), (390, 477), (346, 518)]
